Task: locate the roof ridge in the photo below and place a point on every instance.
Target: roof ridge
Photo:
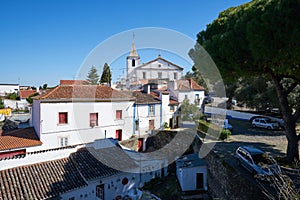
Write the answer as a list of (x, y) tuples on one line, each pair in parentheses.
[(48, 94)]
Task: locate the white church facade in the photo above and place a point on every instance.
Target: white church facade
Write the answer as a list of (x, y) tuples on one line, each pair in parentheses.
[(158, 69)]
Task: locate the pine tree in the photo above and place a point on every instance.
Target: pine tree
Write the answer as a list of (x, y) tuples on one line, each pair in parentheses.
[(93, 76), (106, 74)]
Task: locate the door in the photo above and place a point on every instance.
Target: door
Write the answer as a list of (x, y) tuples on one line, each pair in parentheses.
[(140, 144), (119, 134), (199, 181), (151, 124), (171, 122), (100, 192)]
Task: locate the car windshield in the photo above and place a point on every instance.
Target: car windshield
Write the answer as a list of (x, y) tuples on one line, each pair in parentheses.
[(261, 159)]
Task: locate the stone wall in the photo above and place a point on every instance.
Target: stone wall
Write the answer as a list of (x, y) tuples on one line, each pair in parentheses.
[(226, 182)]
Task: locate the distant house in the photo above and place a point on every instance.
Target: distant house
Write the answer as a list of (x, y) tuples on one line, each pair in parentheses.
[(187, 89), (8, 88), (191, 172)]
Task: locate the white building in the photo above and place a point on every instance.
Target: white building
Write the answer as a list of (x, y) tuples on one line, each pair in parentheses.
[(76, 114), (100, 170), (157, 69), (187, 89), (191, 172), (8, 88)]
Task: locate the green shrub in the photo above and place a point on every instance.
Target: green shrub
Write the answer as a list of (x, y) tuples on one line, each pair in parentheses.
[(212, 130), (225, 133)]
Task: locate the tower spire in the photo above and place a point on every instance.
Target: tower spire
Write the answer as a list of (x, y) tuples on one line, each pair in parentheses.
[(133, 51)]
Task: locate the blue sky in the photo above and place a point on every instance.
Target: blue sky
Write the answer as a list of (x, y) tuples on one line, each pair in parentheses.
[(43, 41)]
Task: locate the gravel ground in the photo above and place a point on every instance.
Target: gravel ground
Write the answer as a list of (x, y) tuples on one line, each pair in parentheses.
[(243, 132)]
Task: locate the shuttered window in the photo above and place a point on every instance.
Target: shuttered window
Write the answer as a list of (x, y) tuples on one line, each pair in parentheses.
[(93, 119), (118, 114), (63, 118)]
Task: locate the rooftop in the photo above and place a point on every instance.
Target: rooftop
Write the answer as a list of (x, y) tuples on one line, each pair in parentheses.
[(88, 92), (24, 94), (187, 85), (18, 138), (50, 179)]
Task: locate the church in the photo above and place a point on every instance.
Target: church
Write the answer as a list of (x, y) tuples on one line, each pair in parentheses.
[(158, 71)]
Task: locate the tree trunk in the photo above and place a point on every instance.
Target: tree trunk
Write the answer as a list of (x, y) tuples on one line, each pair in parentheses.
[(292, 153)]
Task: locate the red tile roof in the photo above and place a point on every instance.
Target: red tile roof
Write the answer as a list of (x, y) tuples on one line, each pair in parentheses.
[(40, 181), (24, 94), (74, 82), (187, 85), (19, 138), (171, 102), (52, 178), (68, 92)]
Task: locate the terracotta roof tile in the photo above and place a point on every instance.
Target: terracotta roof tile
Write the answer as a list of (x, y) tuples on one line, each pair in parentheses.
[(19, 138), (142, 98), (40, 181), (189, 84), (52, 178), (83, 92), (26, 93), (171, 102), (73, 82)]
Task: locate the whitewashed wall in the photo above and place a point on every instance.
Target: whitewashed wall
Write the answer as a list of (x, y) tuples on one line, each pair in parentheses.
[(187, 177), (153, 68), (78, 129), (142, 113)]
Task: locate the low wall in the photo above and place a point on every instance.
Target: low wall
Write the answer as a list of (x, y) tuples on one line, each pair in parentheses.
[(225, 182)]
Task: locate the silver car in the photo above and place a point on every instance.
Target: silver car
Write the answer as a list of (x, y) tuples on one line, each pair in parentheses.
[(256, 161), (265, 123)]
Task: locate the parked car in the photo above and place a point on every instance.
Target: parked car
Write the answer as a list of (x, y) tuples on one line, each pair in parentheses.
[(265, 123), (257, 162), (208, 99)]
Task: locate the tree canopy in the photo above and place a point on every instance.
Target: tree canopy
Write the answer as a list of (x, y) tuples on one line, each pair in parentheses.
[(93, 76), (261, 37), (106, 74)]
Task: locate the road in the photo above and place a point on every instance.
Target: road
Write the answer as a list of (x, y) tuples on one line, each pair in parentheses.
[(273, 142)]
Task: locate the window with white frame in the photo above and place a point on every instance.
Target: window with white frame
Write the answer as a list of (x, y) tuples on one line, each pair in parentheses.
[(175, 75), (151, 110), (159, 74), (63, 141), (144, 75)]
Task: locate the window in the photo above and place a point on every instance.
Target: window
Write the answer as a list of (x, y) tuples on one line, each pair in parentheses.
[(93, 119), (159, 65), (63, 141), (159, 74), (185, 96), (172, 108), (118, 114), (133, 63), (137, 125), (100, 192), (175, 75), (151, 110), (63, 118), (144, 75)]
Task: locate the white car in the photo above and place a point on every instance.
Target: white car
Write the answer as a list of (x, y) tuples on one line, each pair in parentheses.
[(257, 162), (265, 123)]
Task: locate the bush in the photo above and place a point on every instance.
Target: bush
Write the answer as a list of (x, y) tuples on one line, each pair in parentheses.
[(225, 133), (214, 131)]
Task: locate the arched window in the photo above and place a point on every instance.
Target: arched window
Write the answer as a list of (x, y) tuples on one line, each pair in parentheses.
[(133, 62)]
